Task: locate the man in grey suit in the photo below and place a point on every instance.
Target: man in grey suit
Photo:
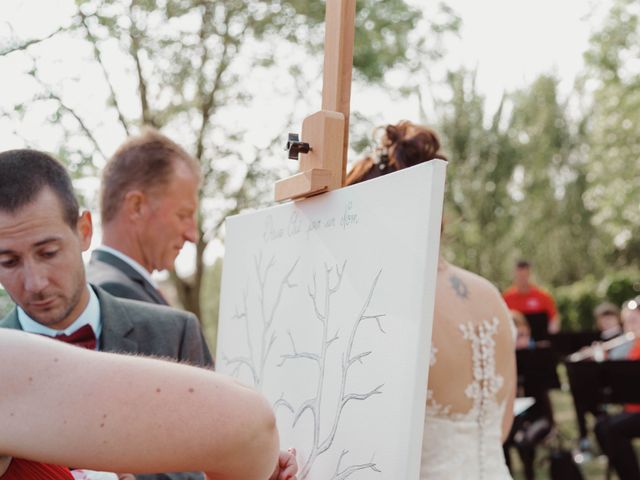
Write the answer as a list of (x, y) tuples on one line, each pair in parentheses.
[(42, 237), (148, 203)]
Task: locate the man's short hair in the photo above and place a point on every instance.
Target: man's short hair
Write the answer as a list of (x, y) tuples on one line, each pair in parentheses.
[(25, 173), (523, 264), (143, 162)]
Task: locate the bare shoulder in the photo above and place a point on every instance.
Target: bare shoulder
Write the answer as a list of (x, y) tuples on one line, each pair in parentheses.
[(475, 281)]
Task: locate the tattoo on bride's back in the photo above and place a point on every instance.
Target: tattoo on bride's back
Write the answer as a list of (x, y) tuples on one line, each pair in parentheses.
[(459, 287)]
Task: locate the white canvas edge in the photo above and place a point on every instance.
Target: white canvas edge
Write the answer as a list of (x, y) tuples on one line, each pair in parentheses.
[(427, 310), (428, 307)]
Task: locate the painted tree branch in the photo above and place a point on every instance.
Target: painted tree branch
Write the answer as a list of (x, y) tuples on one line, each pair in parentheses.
[(257, 359), (347, 362), (310, 356), (341, 475), (281, 402), (284, 283), (248, 361), (333, 282), (314, 299)]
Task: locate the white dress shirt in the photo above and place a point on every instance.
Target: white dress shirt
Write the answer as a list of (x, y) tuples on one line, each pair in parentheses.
[(90, 316)]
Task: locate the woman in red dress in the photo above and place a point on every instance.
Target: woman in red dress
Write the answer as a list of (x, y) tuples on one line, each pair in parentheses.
[(18, 469)]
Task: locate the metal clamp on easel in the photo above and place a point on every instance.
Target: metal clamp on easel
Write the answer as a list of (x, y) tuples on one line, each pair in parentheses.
[(295, 146), (325, 134)]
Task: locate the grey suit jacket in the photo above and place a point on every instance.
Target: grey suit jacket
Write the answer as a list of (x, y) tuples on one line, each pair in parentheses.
[(118, 278), (140, 328)]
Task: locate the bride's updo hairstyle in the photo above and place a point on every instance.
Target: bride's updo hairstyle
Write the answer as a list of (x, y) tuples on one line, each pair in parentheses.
[(400, 146)]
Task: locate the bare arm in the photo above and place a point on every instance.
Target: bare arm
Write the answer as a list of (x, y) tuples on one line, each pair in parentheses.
[(69, 406)]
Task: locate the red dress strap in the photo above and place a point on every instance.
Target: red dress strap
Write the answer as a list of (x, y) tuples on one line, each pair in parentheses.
[(27, 470)]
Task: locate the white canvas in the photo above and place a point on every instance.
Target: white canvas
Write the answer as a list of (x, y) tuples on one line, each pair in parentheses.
[(327, 308)]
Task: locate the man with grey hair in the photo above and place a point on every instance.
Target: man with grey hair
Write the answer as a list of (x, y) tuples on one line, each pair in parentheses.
[(148, 202)]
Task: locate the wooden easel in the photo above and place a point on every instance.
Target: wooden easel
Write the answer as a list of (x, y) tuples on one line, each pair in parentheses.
[(325, 134)]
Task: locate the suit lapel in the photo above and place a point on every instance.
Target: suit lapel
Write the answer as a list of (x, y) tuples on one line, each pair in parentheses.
[(129, 271), (153, 291), (117, 328)]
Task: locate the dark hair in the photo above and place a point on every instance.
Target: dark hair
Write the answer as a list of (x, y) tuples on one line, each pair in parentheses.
[(25, 173), (143, 162), (523, 264), (606, 308), (402, 145)]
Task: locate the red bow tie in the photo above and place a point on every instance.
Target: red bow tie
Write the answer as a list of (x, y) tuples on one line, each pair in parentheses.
[(83, 337)]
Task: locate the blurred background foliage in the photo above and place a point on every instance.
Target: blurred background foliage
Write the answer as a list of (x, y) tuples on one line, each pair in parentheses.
[(5, 303), (547, 177)]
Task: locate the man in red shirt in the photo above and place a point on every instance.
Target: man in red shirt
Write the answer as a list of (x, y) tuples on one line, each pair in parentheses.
[(527, 298)]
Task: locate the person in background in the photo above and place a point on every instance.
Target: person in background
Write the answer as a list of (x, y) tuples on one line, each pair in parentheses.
[(609, 324), (616, 432), (529, 299), (532, 426), (472, 377), (148, 205), (523, 331), (42, 237), (62, 405)]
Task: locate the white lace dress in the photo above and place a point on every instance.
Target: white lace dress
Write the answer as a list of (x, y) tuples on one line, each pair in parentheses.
[(466, 445)]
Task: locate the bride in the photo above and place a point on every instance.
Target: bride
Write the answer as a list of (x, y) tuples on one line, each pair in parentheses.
[(472, 373)]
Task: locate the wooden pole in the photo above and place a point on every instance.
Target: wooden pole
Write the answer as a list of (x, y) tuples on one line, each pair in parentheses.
[(325, 134), (339, 38)]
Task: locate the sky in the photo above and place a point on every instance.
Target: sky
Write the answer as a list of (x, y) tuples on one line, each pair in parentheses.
[(513, 41), (509, 42)]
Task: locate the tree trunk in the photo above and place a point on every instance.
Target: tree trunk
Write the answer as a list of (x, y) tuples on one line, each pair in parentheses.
[(188, 289)]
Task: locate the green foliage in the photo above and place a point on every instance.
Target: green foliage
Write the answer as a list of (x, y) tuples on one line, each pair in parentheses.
[(535, 180), (612, 82), (480, 165), (6, 304), (517, 182), (623, 286), (210, 301), (183, 65), (577, 301)]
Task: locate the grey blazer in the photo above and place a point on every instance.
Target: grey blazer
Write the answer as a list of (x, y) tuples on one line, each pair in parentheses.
[(140, 328), (118, 278)]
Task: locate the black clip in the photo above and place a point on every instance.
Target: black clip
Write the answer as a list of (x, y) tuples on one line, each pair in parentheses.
[(295, 146)]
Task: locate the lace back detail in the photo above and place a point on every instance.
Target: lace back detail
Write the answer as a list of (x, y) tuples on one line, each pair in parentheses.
[(486, 412), (486, 382)]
